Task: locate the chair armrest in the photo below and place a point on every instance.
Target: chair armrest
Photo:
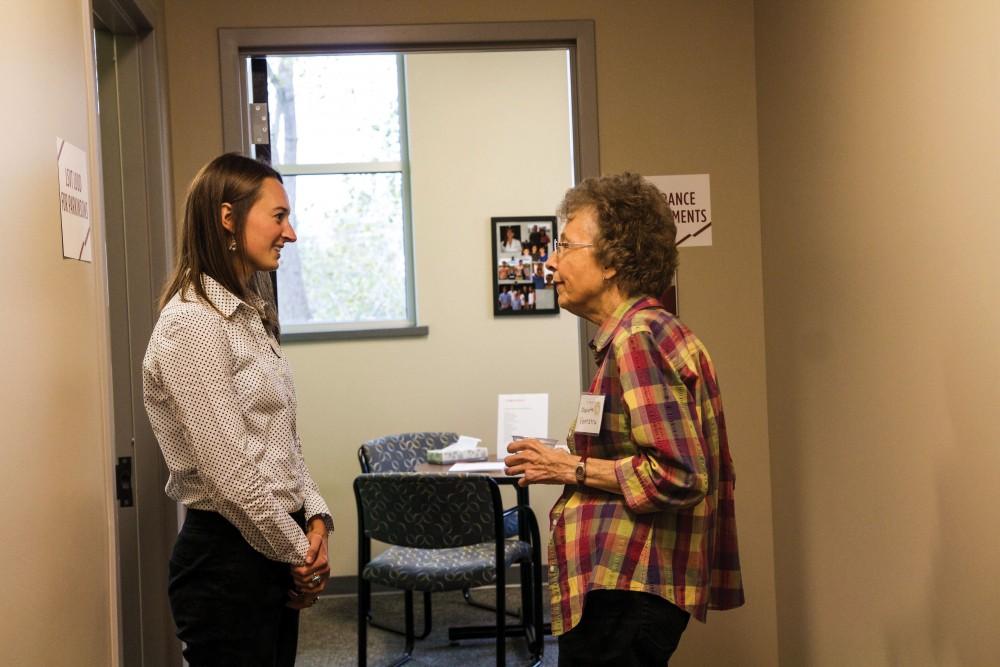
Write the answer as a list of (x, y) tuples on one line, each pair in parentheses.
[(512, 519), (528, 516)]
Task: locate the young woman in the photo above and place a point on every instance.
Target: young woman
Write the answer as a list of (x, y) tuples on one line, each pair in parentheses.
[(221, 401)]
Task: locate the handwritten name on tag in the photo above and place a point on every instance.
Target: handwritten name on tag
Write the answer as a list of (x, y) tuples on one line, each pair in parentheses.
[(590, 414)]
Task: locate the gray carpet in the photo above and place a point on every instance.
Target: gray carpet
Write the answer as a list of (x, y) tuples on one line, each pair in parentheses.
[(328, 633)]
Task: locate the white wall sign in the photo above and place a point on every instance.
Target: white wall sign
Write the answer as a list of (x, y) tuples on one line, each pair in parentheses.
[(74, 201), (690, 199)]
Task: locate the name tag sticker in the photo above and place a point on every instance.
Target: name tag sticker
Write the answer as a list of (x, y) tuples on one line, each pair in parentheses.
[(588, 418)]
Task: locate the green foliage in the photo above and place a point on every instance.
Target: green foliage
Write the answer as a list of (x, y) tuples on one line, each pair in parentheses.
[(353, 259)]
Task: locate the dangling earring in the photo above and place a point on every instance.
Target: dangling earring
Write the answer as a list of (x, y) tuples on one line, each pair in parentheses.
[(232, 244)]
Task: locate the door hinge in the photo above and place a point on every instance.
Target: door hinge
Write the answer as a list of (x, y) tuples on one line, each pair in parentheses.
[(260, 130), (123, 481)]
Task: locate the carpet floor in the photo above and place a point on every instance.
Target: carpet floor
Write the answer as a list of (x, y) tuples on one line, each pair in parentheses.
[(328, 633)]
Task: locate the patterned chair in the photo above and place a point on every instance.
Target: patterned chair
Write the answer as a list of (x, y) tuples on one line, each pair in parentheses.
[(448, 535), (401, 453)]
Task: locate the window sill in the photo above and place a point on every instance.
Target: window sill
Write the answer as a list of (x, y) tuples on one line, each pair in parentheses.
[(356, 334)]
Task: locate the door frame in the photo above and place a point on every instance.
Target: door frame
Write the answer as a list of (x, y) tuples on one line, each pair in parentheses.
[(137, 245)]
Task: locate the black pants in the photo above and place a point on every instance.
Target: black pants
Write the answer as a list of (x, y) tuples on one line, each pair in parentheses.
[(623, 628), (228, 601)]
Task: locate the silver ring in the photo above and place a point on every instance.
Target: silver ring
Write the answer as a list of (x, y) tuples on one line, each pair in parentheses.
[(315, 579)]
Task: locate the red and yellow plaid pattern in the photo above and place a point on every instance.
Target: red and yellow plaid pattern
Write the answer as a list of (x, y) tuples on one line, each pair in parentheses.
[(673, 531)]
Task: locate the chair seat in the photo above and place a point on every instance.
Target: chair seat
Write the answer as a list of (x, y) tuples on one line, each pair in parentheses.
[(442, 569)]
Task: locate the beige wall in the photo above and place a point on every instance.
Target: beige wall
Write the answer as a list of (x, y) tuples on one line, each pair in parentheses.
[(879, 157), (56, 558), (675, 95)]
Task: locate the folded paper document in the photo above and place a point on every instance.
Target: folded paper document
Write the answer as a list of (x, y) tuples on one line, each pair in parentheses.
[(466, 449)]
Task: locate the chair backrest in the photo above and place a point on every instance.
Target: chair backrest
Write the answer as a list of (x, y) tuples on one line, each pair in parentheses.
[(401, 452), (428, 511)]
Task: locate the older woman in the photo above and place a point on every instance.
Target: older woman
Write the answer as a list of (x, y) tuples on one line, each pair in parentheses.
[(644, 534)]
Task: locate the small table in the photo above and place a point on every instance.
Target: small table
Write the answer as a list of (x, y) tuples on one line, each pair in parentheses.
[(489, 631), (499, 475)]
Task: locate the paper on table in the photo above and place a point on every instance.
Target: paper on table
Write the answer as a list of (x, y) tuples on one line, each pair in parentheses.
[(479, 466), (464, 442), (524, 414)]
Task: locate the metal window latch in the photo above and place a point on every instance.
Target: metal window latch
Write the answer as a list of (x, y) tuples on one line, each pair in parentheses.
[(123, 481), (260, 130)]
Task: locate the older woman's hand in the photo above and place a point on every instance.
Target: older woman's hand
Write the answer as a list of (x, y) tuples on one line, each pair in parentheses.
[(539, 463)]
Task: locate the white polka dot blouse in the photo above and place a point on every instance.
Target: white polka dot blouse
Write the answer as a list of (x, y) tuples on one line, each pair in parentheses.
[(221, 401)]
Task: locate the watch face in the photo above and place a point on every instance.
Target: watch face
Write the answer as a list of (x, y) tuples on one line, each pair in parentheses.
[(581, 472)]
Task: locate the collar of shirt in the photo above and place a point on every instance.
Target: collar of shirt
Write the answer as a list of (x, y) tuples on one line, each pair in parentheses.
[(223, 299), (607, 329)]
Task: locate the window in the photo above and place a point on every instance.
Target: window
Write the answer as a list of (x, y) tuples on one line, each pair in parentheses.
[(337, 134), (238, 46)]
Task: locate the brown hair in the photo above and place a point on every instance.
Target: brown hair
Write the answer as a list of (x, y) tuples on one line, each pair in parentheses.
[(203, 246), (636, 230)]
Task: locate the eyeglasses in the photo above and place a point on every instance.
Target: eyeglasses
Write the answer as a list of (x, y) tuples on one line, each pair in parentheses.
[(565, 245)]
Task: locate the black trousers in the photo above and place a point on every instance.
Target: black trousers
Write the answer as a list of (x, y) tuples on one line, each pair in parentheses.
[(623, 628), (228, 600)]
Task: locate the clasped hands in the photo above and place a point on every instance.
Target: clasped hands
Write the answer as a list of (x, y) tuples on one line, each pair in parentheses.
[(310, 579)]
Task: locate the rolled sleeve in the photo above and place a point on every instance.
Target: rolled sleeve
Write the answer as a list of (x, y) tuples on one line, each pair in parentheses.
[(669, 471)]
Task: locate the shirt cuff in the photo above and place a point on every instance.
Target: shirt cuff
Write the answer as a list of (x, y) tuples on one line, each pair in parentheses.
[(631, 485)]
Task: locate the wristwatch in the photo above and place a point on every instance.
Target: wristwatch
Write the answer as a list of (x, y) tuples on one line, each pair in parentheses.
[(581, 471)]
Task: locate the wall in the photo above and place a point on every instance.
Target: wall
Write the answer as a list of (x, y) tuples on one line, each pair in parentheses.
[(57, 559), (675, 95), (879, 158)]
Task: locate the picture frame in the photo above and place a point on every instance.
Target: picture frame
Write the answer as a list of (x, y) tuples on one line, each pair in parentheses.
[(522, 284)]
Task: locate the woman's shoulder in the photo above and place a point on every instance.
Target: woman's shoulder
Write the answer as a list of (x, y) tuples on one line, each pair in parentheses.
[(665, 329), (649, 315), (187, 311)]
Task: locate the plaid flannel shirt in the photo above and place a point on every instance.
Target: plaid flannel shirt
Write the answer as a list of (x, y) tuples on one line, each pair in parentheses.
[(673, 531)]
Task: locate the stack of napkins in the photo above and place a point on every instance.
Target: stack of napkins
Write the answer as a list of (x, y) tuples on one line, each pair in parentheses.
[(466, 449)]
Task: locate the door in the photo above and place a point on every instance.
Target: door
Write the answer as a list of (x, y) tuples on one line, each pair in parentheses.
[(135, 238)]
